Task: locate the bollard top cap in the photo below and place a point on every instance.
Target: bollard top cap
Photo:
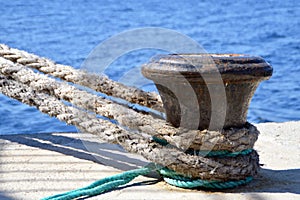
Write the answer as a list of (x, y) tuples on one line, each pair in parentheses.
[(231, 67)]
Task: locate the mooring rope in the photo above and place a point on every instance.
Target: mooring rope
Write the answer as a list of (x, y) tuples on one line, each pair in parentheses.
[(227, 140), (170, 176), (191, 158), (68, 73), (181, 162)]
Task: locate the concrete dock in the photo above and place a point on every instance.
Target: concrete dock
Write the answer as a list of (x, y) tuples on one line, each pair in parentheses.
[(33, 166)]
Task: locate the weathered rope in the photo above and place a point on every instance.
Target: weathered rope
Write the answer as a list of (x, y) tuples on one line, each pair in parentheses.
[(214, 168), (68, 73), (186, 153), (233, 139)]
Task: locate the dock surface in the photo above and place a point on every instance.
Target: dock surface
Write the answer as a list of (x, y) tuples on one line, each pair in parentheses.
[(33, 166)]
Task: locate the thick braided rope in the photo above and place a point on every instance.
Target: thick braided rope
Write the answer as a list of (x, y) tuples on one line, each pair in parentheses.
[(178, 161), (233, 139), (67, 73), (231, 168)]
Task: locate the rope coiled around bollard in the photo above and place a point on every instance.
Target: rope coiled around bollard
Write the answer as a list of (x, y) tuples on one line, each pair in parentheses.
[(231, 162), (175, 159), (234, 139)]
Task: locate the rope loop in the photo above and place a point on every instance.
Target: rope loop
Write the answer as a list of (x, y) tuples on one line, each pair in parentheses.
[(169, 176)]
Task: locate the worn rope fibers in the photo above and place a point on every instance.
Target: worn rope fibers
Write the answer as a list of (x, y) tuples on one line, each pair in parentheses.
[(177, 148)]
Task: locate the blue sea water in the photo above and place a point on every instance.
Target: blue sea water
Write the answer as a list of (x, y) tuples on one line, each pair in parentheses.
[(66, 31)]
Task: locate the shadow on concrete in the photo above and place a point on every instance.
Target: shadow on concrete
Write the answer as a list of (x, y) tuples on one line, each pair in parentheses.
[(272, 181), (107, 154), (128, 185), (268, 180)]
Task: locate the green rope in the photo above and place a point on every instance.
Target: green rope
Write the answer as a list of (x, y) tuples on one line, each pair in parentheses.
[(105, 184), (221, 153), (170, 176), (160, 141)]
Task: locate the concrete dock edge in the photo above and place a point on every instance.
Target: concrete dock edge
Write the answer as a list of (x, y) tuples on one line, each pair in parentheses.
[(33, 166)]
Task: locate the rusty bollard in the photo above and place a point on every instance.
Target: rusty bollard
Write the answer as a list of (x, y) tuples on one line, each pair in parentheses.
[(174, 74)]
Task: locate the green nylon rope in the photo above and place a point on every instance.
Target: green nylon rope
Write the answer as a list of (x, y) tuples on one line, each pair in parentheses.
[(170, 176), (221, 153), (104, 185)]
